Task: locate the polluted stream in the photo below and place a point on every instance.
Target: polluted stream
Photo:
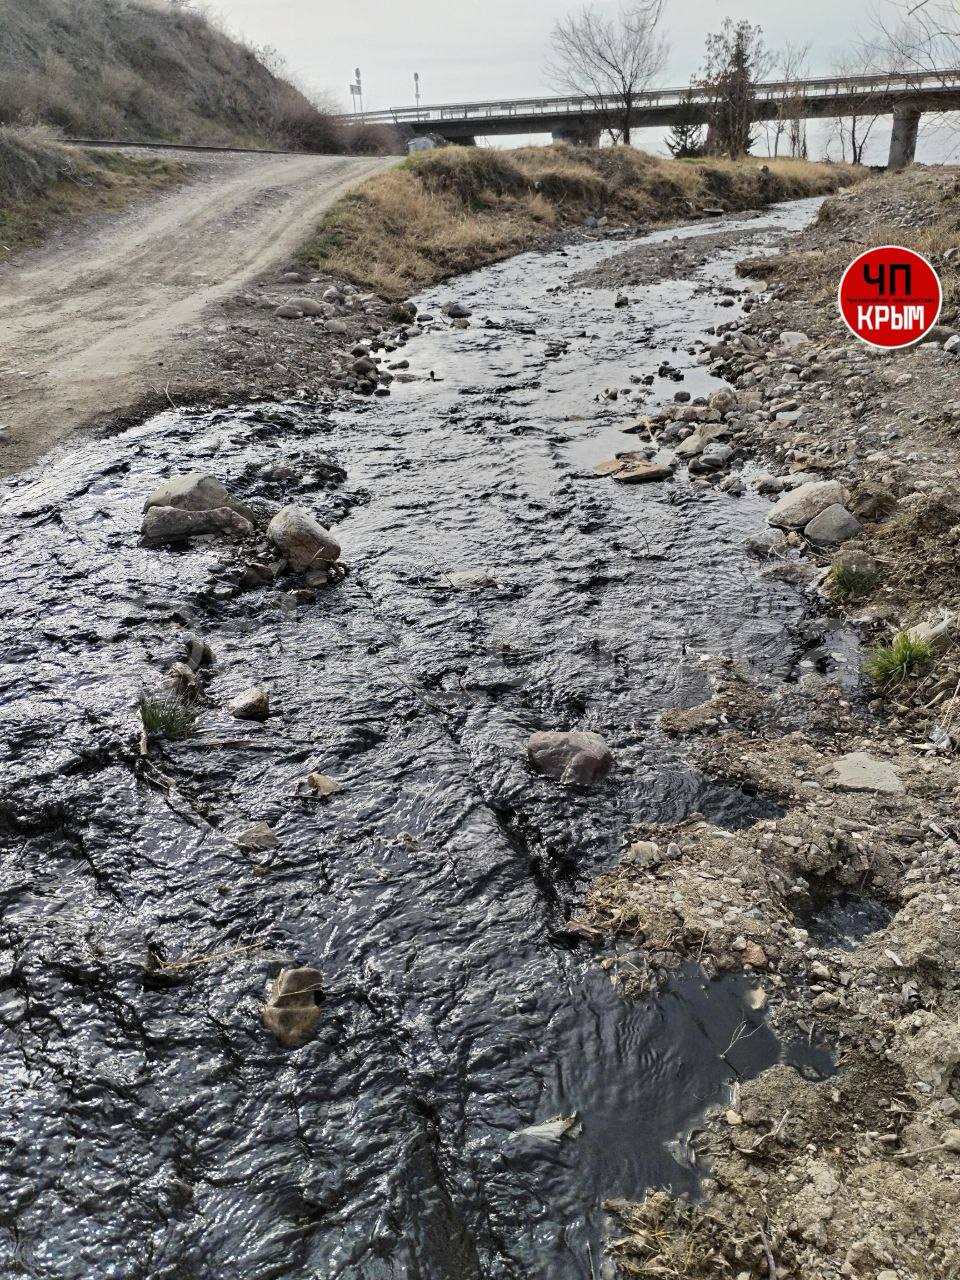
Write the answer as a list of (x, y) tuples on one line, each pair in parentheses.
[(151, 1126)]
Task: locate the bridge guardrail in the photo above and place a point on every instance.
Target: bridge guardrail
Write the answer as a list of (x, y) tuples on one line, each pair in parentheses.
[(818, 87)]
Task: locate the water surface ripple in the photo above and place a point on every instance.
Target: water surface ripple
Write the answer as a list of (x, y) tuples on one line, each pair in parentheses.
[(151, 1129)]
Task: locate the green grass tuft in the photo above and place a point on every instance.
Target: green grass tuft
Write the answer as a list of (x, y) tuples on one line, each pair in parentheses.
[(168, 716), (890, 664), (844, 583)]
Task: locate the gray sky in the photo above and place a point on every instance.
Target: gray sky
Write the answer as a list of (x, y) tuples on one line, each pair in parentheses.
[(467, 49)]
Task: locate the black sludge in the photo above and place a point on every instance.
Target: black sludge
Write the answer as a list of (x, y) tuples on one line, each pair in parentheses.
[(152, 1128)]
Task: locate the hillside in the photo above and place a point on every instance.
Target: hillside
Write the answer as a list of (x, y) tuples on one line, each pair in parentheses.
[(144, 69)]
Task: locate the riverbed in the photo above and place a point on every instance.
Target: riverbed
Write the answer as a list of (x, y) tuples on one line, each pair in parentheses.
[(152, 1128)]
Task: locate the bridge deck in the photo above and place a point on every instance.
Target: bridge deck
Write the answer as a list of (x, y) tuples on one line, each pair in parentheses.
[(824, 96)]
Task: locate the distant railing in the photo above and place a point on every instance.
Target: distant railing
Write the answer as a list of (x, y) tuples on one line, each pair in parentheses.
[(822, 87)]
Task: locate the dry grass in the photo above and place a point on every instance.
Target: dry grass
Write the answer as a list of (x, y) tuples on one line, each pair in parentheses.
[(851, 229), (144, 70), (43, 183), (451, 210)]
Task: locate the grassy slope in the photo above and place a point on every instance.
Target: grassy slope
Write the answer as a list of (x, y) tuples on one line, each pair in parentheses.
[(451, 210), (43, 183), (141, 69)]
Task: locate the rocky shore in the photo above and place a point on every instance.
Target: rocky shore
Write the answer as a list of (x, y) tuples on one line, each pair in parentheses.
[(846, 909)]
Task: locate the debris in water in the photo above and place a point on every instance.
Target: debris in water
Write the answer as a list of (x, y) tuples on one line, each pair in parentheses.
[(291, 1011), (577, 757), (260, 837), (551, 1130), (322, 784)]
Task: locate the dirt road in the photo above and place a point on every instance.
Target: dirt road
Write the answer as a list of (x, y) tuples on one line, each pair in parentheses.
[(84, 321)]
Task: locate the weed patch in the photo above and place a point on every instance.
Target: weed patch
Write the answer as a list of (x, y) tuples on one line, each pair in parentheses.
[(891, 664), (168, 716)]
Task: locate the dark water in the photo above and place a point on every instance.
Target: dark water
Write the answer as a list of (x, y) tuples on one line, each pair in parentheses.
[(844, 919), (150, 1127)]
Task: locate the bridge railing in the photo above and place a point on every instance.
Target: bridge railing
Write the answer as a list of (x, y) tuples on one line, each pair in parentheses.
[(817, 87)]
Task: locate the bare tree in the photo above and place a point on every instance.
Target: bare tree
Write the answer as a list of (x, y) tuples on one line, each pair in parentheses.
[(609, 60), (919, 36), (853, 131), (789, 67)]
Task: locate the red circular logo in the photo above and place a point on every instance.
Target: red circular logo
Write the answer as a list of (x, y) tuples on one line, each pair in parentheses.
[(890, 297)]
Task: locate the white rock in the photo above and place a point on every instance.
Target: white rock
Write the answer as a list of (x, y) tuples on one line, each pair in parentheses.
[(793, 338), (859, 771), (303, 540), (195, 491), (252, 704), (938, 632), (797, 508)]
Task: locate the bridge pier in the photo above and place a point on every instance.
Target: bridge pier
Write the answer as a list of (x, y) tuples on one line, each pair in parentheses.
[(903, 139), (579, 135)]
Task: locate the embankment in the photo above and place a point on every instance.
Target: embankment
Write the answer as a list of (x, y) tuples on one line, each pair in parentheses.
[(149, 72), (453, 210), (44, 184)]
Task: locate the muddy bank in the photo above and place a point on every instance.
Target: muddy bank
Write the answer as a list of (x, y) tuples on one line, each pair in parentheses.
[(847, 905), (434, 887)]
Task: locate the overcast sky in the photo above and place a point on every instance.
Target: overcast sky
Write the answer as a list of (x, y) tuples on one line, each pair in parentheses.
[(469, 49)]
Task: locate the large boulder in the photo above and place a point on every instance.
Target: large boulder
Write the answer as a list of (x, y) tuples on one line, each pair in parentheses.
[(795, 510), (195, 491), (291, 1011), (576, 758), (175, 524), (302, 540), (832, 526)]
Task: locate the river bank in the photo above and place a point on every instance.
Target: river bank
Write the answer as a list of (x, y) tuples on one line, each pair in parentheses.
[(847, 906), (444, 212)]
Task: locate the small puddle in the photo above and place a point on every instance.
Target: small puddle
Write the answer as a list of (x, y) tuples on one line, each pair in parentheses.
[(155, 1130), (844, 919)]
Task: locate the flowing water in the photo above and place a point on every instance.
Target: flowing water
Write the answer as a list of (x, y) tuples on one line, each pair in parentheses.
[(151, 1128)]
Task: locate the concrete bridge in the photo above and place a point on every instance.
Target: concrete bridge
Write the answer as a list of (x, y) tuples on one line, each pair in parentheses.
[(582, 120)]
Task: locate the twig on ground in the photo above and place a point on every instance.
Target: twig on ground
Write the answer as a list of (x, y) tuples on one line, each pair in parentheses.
[(771, 1261)]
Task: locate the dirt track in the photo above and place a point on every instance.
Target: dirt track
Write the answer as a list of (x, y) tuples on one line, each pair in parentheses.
[(85, 320)]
